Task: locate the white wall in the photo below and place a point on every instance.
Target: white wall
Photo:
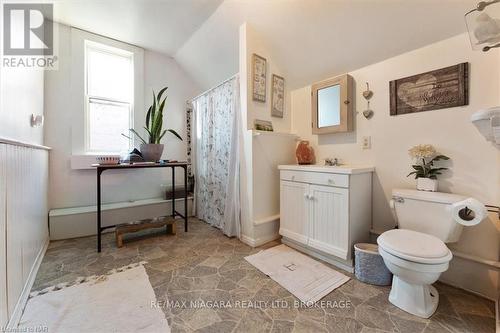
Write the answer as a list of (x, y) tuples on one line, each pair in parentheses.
[(260, 155), (255, 43), (69, 188), (474, 162), (245, 142), (23, 187), (269, 150), (21, 94)]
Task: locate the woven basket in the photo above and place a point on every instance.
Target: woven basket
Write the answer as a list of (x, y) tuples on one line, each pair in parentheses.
[(369, 266)]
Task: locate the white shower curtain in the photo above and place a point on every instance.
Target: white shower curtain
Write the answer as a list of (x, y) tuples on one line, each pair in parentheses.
[(216, 132)]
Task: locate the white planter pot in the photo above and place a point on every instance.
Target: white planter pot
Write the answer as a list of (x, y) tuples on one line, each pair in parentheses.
[(427, 184), (151, 152)]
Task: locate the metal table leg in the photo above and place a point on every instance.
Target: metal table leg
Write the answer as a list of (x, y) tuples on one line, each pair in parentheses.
[(173, 192), (185, 200), (99, 171)]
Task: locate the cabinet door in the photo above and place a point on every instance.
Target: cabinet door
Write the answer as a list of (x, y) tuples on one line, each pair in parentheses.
[(294, 211), (329, 226)]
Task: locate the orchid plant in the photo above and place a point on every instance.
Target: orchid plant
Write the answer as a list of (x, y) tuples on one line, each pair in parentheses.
[(425, 156)]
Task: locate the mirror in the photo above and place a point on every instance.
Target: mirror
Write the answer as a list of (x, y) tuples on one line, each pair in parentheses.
[(331, 105)]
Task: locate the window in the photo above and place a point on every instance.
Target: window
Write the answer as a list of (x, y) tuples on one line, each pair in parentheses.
[(109, 98)]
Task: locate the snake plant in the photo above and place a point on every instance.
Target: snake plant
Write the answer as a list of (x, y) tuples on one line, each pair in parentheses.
[(154, 121)]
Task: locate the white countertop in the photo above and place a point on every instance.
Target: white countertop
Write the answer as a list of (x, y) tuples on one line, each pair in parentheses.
[(342, 169)]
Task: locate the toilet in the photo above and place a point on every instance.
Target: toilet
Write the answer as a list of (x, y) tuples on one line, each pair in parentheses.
[(416, 253)]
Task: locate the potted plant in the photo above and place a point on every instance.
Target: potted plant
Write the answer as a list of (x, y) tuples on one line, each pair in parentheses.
[(152, 148), (424, 170)]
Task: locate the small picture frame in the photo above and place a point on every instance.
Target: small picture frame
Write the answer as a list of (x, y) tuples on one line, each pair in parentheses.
[(277, 96), (259, 67), (263, 125)]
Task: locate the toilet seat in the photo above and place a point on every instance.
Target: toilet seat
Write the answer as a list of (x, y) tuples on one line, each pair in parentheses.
[(414, 246), (414, 265)]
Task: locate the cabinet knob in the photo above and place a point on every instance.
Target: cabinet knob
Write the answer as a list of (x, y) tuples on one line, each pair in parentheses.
[(331, 181), (307, 196), (293, 177)]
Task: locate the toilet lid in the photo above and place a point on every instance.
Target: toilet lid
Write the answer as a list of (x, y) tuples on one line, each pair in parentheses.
[(414, 246)]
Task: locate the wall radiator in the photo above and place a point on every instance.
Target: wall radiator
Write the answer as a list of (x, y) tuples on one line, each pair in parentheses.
[(23, 223)]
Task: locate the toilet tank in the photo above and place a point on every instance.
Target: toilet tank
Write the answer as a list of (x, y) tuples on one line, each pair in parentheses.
[(427, 212)]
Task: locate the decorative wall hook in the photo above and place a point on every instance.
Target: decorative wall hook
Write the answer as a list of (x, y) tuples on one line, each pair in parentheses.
[(367, 94), (36, 120)]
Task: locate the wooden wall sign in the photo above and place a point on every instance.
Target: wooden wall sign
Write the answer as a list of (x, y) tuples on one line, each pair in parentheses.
[(439, 89)]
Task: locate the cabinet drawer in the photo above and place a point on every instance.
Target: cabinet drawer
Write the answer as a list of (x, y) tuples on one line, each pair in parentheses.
[(320, 178)]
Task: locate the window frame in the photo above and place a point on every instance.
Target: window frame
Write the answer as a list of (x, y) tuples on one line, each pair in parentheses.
[(103, 48)]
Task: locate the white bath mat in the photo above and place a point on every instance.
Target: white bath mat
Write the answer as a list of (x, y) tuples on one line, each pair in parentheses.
[(116, 302), (306, 278)]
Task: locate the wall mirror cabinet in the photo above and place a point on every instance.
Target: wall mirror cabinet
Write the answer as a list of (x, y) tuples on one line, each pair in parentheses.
[(332, 105)]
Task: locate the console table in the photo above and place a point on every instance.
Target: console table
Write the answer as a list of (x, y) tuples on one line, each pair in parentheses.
[(102, 167)]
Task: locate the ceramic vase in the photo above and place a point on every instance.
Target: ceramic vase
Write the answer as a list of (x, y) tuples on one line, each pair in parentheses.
[(304, 153), (427, 184), (151, 151)]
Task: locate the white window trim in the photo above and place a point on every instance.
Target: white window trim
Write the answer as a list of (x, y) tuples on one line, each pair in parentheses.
[(114, 51), (78, 87)]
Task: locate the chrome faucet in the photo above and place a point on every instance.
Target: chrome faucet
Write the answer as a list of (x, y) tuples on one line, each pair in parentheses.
[(332, 161)]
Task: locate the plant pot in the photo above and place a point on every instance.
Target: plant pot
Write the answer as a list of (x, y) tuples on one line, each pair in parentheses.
[(427, 184), (152, 151)]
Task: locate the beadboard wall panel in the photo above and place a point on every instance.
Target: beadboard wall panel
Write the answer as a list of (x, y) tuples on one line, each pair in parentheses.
[(14, 209), (23, 221), (3, 246)]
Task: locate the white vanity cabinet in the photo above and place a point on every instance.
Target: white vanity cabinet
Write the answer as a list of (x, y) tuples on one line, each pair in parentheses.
[(325, 210)]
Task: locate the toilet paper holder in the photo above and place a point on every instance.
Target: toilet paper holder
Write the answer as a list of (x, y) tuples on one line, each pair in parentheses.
[(489, 208), (494, 209)]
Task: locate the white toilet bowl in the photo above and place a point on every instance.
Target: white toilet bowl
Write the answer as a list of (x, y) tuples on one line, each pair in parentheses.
[(416, 260)]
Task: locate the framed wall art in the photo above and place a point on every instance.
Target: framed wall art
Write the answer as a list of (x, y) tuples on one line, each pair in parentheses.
[(277, 96), (263, 125), (438, 89), (259, 66)]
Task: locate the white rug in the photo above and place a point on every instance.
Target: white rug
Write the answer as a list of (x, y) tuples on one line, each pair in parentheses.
[(306, 278), (118, 302)]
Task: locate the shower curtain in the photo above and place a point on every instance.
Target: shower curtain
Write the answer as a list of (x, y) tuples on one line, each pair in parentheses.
[(215, 156)]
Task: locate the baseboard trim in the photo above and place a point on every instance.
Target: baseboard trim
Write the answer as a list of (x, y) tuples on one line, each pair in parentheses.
[(23, 299), (247, 240), (77, 222), (455, 285), (255, 242), (497, 315)]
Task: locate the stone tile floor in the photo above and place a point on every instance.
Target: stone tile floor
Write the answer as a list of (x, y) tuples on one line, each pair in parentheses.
[(208, 268)]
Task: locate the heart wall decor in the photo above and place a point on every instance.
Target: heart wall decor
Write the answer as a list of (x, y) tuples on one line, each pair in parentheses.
[(438, 89)]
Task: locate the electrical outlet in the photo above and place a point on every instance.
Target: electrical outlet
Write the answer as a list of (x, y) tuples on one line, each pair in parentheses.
[(367, 142)]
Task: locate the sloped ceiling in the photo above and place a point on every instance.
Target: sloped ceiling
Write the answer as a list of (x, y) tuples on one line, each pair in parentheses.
[(315, 39), (158, 25), (310, 39)]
